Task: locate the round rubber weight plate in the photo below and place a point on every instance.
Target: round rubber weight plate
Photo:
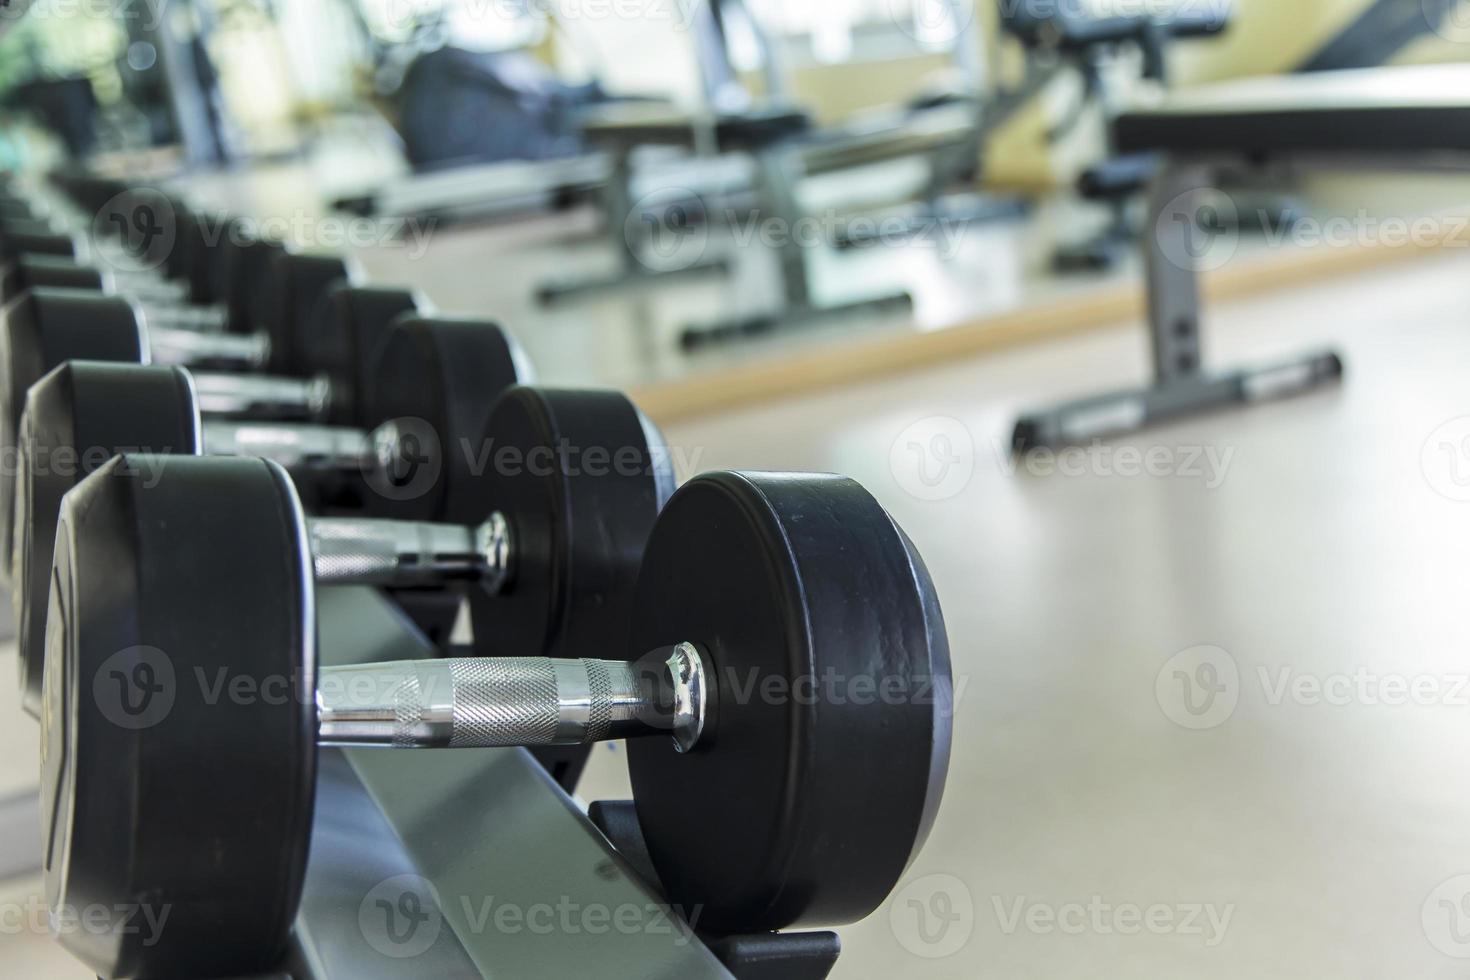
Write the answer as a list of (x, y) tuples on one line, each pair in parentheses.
[(30, 271), (824, 755), (178, 724), (346, 341), (438, 380), (41, 330), (298, 286), (246, 269), (580, 477), (76, 419)]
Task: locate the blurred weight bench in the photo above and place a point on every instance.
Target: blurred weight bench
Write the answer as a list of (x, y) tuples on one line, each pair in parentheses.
[(1375, 119), (1089, 43)]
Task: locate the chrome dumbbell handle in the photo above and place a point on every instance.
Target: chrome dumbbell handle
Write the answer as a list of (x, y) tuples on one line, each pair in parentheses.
[(408, 554), (184, 347), (209, 322), (259, 395), (495, 702), (292, 444)]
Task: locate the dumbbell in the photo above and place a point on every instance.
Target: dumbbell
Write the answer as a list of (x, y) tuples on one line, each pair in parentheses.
[(253, 277), (44, 328), (784, 631), (543, 534)]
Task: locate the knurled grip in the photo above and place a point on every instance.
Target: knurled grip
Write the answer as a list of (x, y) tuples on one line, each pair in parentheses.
[(351, 551), (489, 702), (505, 701)]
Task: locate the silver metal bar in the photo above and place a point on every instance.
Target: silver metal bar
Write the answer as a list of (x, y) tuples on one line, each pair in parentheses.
[(184, 347), (407, 554), (208, 322), (259, 395), (496, 702), (292, 444)]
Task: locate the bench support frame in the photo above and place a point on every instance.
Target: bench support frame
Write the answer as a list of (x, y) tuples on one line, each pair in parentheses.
[(1176, 249)]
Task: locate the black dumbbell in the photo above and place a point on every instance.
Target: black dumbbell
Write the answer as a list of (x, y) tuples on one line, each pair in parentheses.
[(44, 328), (545, 541), (784, 632), (265, 292)]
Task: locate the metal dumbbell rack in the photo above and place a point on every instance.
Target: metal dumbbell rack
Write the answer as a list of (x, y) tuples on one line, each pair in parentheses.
[(461, 834)]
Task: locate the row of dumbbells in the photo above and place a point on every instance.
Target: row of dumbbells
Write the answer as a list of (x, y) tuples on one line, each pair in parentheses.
[(770, 644)]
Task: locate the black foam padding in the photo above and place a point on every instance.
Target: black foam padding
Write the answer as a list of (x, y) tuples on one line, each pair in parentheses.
[(1396, 113), (438, 379), (77, 419), (40, 330), (827, 742), (159, 787), (580, 477)]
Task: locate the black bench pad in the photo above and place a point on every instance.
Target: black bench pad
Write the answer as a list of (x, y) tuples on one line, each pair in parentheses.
[(1404, 112)]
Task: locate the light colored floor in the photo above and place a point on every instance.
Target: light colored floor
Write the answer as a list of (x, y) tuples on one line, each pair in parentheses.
[(1329, 550)]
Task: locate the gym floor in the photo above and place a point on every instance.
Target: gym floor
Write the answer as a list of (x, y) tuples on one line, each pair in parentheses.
[(1211, 679)]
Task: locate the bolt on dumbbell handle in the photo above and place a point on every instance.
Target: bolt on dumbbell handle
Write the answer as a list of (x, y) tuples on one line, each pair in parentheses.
[(409, 554), (185, 347), (243, 394), (292, 444), (498, 702)]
